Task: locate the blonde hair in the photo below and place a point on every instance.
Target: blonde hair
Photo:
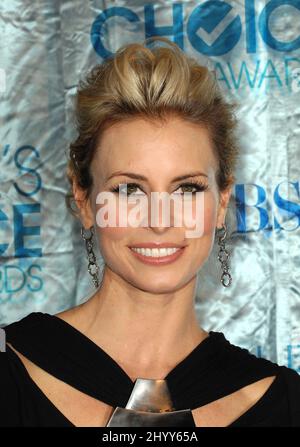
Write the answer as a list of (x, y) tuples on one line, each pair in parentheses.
[(154, 84)]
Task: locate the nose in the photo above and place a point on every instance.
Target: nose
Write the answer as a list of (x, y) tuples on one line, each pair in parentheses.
[(160, 214)]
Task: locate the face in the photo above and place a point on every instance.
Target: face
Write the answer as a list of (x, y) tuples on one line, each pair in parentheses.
[(160, 152)]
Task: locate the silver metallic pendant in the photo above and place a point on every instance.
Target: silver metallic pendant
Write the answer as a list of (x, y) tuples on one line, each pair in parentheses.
[(150, 405)]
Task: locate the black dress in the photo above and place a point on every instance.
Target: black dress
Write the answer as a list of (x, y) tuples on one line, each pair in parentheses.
[(213, 369)]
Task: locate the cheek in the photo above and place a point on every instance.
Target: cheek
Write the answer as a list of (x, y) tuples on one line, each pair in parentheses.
[(112, 234), (111, 243), (113, 237)]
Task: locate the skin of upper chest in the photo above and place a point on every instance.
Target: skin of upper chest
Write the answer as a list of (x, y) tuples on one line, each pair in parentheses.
[(85, 411)]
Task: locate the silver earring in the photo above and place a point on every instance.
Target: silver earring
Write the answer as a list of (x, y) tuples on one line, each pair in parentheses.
[(92, 266), (223, 256)]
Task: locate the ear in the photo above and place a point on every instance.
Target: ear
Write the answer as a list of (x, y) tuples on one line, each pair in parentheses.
[(84, 206), (223, 204)]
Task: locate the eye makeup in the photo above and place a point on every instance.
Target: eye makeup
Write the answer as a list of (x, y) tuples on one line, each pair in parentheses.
[(196, 185)]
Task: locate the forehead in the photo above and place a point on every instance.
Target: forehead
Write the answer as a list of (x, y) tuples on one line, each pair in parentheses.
[(154, 147)]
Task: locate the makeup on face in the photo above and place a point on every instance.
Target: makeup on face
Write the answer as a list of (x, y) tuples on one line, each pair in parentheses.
[(155, 253)]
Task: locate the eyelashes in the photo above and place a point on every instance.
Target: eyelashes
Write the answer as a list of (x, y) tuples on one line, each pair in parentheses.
[(197, 186)]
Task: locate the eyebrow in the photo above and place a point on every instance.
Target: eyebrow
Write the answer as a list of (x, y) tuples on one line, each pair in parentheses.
[(142, 177)]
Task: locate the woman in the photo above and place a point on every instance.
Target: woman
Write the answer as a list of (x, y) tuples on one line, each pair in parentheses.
[(134, 353)]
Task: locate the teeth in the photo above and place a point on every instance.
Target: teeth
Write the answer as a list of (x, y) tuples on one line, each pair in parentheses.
[(155, 252)]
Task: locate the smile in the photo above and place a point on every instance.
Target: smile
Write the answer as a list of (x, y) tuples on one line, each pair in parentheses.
[(157, 256)]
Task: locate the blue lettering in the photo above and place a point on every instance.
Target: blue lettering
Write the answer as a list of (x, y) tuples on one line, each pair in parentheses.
[(205, 17), (240, 198), (250, 26), (26, 169), (243, 68), (219, 68), (175, 30), (3, 247), (208, 16), (40, 281), (7, 285), (273, 74), (265, 32), (287, 206), (20, 230), (98, 24)]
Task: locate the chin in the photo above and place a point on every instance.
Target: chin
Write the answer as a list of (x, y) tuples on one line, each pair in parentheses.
[(159, 283)]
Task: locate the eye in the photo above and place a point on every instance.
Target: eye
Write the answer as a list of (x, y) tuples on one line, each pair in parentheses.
[(192, 187), (131, 188), (197, 186)]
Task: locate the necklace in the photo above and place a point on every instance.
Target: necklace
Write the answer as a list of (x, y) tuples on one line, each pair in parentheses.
[(150, 405)]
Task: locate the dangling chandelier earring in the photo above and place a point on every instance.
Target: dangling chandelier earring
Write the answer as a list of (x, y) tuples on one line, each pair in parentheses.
[(223, 256), (92, 266)]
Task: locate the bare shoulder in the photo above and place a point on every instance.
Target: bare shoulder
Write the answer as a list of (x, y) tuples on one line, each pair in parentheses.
[(79, 408), (228, 409), (256, 390)]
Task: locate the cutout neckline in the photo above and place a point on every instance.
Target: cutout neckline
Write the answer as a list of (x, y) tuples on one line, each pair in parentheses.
[(259, 404), (213, 369)]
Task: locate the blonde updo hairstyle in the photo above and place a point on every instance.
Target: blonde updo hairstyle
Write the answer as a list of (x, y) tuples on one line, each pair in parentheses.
[(154, 84)]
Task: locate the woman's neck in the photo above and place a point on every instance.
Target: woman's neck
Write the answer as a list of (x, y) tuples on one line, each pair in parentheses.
[(147, 334)]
